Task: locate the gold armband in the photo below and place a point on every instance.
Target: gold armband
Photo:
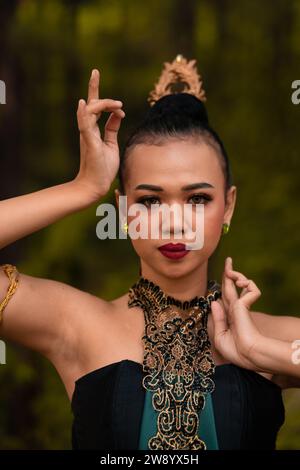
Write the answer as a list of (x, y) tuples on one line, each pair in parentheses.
[(13, 274)]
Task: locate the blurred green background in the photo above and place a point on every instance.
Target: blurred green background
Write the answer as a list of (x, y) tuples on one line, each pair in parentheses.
[(248, 53)]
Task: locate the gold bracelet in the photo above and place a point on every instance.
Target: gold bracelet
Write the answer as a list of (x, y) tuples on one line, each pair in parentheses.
[(13, 274)]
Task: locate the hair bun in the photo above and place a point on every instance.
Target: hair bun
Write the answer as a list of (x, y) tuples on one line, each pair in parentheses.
[(182, 104), (179, 115)]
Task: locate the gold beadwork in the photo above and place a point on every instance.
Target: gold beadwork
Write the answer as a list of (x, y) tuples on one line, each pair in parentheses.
[(12, 273), (180, 76), (178, 364)]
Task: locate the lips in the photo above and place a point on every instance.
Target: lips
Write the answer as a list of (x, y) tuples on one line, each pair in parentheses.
[(173, 247), (174, 251)]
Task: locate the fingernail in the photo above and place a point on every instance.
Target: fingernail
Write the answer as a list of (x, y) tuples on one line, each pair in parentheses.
[(118, 102)]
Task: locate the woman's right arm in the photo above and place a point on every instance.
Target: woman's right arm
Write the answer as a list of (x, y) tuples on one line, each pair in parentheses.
[(38, 313), (23, 215), (99, 162)]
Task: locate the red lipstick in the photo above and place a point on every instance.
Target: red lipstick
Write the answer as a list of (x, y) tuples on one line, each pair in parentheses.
[(173, 250)]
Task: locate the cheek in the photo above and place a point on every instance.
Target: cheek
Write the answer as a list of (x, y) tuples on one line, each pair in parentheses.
[(143, 248), (213, 220), (141, 224), (210, 220)]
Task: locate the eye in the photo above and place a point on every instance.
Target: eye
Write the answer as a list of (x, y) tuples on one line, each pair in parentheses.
[(148, 201), (198, 198)]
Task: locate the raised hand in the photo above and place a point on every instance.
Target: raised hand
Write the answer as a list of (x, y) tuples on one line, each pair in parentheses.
[(99, 157), (235, 333)]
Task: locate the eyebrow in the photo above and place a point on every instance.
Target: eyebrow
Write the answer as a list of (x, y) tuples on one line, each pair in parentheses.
[(152, 187)]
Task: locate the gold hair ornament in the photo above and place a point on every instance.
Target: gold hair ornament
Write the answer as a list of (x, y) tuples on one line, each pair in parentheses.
[(179, 76)]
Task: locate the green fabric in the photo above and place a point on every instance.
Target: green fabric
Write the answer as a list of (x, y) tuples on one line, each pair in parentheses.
[(148, 426), (207, 428)]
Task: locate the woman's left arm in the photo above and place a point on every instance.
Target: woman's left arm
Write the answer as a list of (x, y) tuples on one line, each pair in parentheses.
[(282, 344), (282, 327), (255, 340), (282, 358)]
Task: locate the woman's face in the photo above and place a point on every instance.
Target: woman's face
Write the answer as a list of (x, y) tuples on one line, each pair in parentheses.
[(170, 167)]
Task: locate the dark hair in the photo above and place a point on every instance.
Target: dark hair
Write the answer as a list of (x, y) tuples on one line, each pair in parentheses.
[(178, 115)]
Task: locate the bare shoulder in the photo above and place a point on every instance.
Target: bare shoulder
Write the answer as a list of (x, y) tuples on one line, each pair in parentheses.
[(42, 312), (74, 329)]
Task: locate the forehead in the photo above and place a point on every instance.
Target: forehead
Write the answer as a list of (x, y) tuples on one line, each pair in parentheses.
[(174, 162)]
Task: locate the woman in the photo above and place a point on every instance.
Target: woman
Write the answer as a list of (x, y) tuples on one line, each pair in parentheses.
[(178, 361)]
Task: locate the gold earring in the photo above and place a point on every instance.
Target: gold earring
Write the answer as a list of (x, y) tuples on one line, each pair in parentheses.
[(225, 228)]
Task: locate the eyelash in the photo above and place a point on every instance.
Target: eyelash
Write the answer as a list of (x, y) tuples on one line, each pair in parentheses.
[(146, 199)]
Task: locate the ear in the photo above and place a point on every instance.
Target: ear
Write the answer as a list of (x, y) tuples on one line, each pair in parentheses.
[(230, 203)]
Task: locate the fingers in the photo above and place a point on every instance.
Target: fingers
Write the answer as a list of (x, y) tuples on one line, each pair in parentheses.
[(229, 289), (244, 285), (250, 292), (107, 104), (240, 279), (81, 115), (93, 96), (236, 274), (225, 300), (112, 127), (93, 91), (88, 114), (219, 319)]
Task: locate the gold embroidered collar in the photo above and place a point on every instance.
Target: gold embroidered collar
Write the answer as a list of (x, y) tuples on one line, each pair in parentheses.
[(178, 364)]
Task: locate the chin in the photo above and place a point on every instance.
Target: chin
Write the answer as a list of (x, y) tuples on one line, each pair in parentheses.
[(174, 271)]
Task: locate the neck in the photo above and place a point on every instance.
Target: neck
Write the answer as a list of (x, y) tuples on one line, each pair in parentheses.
[(182, 288)]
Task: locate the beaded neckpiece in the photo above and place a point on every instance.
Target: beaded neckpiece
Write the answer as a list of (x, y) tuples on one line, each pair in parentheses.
[(178, 364)]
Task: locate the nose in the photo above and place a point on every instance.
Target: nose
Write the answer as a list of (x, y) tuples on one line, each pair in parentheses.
[(184, 224), (172, 222)]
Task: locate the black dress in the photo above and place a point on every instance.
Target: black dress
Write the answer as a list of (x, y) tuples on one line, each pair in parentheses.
[(108, 405), (178, 398)]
